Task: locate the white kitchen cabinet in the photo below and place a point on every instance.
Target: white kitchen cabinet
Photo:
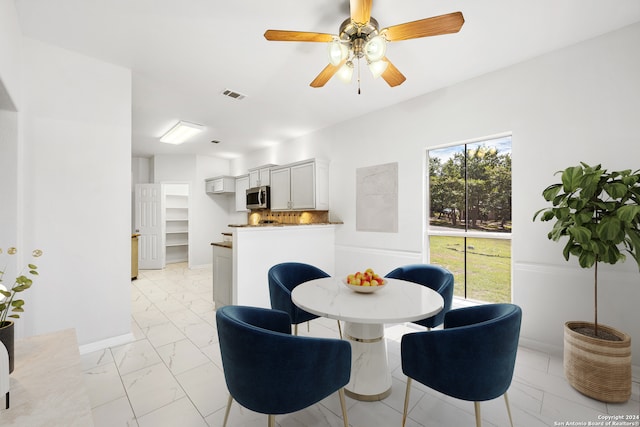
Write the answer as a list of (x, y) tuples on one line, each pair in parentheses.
[(220, 185), (242, 184), (280, 189), (260, 176), (222, 275), (300, 186)]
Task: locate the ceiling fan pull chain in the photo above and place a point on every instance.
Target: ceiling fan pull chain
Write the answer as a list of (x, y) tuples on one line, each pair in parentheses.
[(358, 76)]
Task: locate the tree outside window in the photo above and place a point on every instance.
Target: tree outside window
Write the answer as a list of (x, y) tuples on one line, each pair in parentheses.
[(470, 216)]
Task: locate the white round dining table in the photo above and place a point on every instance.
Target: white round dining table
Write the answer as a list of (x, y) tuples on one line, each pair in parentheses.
[(365, 315)]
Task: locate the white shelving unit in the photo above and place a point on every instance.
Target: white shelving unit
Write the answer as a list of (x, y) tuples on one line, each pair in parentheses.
[(176, 222)]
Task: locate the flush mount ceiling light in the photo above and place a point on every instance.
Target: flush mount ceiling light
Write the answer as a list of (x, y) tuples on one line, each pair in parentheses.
[(359, 37), (181, 132)]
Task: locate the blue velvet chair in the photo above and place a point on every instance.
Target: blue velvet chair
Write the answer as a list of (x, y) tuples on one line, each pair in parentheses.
[(471, 359), (432, 276), (270, 371), (283, 278)]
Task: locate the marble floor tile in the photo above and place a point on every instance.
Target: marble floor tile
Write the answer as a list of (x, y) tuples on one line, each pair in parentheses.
[(150, 317), (169, 305), (151, 388), (178, 413), (103, 384), (430, 410), (206, 387), (185, 317), (162, 334), (201, 334), (182, 356), (134, 356), (116, 413), (171, 375), (140, 303), (96, 358), (238, 417)]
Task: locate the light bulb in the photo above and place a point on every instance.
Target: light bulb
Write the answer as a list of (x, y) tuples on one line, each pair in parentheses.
[(337, 52), (377, 68), (345, 73), (375, 48)]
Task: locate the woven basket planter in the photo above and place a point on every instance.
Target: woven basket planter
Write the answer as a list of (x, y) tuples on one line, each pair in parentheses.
[(598, 368)]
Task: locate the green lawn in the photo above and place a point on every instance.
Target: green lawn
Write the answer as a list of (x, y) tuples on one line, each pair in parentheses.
[(488, 266)]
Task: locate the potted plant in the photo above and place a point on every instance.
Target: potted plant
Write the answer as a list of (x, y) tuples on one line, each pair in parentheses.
[(599, 214), (9, 303)]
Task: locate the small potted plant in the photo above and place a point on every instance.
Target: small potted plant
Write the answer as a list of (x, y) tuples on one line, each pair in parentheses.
[(10, 307), (598, 212)]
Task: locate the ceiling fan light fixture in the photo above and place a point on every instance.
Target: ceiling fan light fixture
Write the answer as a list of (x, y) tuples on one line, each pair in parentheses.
[(345, 73), (337, 52), (181, 132), (375, 48), (377, 67)]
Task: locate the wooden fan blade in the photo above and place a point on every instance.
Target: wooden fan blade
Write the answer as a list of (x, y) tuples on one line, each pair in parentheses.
[(392, 75), (296, 36), (434, 26), (360, 11), (329, 71)]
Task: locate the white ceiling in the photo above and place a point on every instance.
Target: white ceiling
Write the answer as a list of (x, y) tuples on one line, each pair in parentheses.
[(184, 53)]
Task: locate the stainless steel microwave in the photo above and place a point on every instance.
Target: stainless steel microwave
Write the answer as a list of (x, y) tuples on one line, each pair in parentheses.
[(259, 197)]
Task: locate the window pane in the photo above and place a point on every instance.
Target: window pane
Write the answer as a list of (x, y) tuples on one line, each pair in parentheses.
[(489, 185), (448, 252), (489, 269), (470, 191), (446, 187)]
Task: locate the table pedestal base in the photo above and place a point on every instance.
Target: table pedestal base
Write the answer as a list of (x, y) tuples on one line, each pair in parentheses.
[(370, 375)]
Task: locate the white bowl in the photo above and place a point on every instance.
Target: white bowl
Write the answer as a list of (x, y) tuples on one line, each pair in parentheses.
[(364, 289)]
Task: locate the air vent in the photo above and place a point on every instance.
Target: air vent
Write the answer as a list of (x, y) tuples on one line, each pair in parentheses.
[(233, 94)]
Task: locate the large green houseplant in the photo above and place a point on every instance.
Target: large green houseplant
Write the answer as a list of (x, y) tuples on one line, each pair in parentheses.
[(598, 212)]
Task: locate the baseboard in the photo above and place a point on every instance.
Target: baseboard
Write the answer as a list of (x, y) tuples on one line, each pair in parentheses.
[(110, 342), (547, 348)]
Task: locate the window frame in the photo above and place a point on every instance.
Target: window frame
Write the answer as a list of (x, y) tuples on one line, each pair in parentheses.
[(442, 231)]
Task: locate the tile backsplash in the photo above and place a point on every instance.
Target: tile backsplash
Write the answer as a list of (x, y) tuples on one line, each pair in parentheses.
[(288, 217)]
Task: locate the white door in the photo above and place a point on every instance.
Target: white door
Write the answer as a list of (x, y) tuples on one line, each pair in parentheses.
[(149, 224)]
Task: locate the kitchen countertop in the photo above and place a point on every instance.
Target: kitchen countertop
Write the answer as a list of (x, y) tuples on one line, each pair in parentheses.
[(281, 225)]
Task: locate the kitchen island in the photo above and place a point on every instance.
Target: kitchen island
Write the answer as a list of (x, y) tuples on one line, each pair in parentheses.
[(257, 248)]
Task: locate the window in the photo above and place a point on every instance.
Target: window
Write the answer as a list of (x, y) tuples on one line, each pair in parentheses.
[(469, 225)]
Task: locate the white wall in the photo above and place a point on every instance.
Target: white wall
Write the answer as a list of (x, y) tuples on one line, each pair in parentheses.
[(9, 153), (10, 53), (257, 249), (576, 104), (212, 212), (208, 214), (76, 135), (8, 174)]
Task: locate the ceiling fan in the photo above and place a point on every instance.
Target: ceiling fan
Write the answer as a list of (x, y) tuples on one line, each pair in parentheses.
[(360, 37)]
